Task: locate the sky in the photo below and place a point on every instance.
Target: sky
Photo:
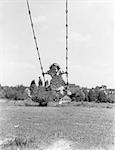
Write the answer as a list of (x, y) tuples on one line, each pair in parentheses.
[(91, 41)]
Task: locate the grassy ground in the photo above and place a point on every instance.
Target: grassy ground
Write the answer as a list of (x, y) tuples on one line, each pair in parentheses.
[(44, 127)]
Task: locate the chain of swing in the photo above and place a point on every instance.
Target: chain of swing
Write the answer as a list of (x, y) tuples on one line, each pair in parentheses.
[(35, 39)]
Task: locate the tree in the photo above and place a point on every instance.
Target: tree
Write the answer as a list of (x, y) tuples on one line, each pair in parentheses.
[(85, 91), (77, 94), (10, 93), (111, 97), (92, 95), (102, 97)]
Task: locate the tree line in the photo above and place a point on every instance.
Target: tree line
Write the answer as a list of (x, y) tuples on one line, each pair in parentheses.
[(39, 93)]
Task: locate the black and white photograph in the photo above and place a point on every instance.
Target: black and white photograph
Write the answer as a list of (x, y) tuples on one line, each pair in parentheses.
[(57, 75)]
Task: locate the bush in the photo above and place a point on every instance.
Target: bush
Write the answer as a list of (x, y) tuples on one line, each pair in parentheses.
[(102, 97), (73, 96), (111, 98), (92, 95), (10, 93), (15, 93), (77, 95), (40, 95), (41, 100), (43, 95), (2, 93), (85, 91), (80, 96), (97, 90)]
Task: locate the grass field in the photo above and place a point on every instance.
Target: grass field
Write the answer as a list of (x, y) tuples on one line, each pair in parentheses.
[(58, 128)]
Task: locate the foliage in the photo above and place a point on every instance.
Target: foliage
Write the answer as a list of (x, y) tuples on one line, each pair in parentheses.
[(111, 98), (92, 95), (85, 91), (77, 94), (97, 90), (14, 93), (45, 95), (10, 93), (102, 97), (2, 93), (40, 95)]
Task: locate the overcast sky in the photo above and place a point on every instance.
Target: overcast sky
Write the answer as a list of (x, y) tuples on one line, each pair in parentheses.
[(91, 47)]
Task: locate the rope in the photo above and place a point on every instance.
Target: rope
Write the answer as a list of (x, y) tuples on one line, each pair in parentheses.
[(67, 42), (35, 39)]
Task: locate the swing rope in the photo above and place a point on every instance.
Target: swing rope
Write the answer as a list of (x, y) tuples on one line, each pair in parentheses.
[(35, 39), (67, 43)]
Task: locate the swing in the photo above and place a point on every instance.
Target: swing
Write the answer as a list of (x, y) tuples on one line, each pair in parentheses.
[(56, 83)]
